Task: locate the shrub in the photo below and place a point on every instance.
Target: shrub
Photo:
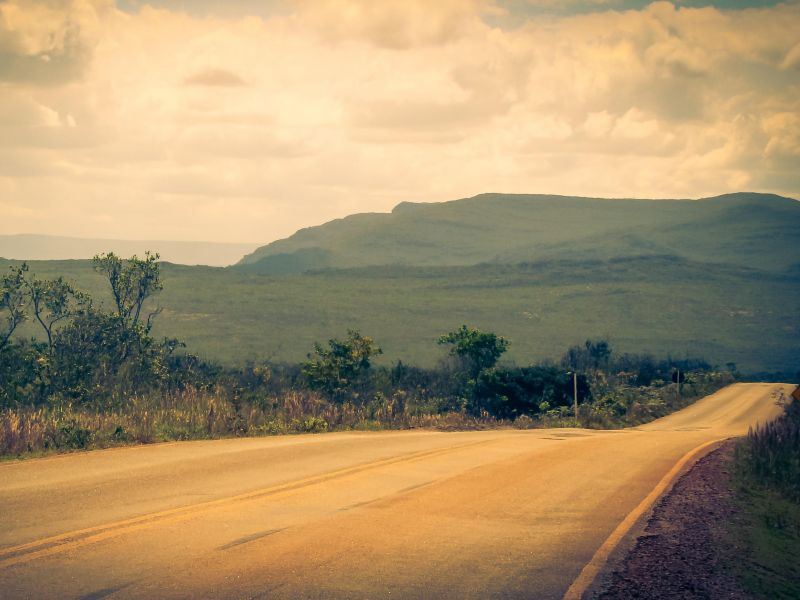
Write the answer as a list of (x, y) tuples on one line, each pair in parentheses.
[(336, 370), (72, 435)]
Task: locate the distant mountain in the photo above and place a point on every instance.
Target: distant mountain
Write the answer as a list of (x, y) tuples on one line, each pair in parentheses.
[(46, 247), (744, 229)]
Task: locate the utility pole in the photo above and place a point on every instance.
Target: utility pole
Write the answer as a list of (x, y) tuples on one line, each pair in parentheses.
[(679, 385), (575, 392)]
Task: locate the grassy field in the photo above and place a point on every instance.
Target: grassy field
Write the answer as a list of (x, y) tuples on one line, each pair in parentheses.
[(648, 304)]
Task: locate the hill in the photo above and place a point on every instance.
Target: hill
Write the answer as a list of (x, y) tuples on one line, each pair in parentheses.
[(48, 247), (658, 304), (745, 229)]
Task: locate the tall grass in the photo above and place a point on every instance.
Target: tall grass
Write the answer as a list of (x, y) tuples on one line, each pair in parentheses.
[(767, 532), (195, 414), (770, 454)]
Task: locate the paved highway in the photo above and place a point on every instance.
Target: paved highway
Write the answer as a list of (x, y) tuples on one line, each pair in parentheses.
[(412, 514)]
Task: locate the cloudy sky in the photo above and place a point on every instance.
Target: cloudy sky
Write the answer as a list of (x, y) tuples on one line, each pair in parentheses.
[(240, 120)]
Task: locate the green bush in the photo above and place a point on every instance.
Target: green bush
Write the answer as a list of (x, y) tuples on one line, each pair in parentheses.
[(313, 425), (337, 370), (72, 435)]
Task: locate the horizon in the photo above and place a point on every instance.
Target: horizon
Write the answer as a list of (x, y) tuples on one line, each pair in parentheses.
[(244, 120)]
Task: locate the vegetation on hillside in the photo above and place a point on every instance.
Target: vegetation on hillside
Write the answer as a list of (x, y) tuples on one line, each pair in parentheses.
[(644, 305)]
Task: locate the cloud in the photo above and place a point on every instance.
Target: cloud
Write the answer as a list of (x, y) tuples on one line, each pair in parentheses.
[(567, 5), (394, 24), (792, 58), (783, 131), (215, 78), (410, 117), (634, 125), (48, 42)]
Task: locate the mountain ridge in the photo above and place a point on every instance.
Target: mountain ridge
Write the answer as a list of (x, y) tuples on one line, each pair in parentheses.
[(747, 228)]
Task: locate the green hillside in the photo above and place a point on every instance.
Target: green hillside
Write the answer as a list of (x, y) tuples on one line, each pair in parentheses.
[(745, 229), (660, 304)]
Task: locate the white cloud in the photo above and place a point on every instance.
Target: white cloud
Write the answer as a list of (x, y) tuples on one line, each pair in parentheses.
[(394, 24), (48, 43), (634, 125), (215, 78)]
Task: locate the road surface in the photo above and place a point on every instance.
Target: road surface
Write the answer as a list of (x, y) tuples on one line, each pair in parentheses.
[(412, 514)]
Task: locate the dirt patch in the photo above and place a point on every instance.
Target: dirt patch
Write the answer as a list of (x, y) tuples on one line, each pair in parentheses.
[(684, 551)]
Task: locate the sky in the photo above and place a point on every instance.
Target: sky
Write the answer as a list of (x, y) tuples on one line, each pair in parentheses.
[(243, 121)]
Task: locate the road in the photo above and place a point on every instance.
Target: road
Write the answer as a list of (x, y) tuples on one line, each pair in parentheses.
[(412, 514)]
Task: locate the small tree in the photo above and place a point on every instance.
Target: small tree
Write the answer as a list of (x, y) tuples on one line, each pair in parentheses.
[(477, 353), (480, 350), (336, 369), (14, 299), (132, 282)]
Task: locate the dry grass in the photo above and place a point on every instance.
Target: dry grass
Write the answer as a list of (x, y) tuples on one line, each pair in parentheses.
[(194, 414), (770, 454)]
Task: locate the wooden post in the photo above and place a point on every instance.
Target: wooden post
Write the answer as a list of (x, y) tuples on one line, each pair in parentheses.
[(575, 392)]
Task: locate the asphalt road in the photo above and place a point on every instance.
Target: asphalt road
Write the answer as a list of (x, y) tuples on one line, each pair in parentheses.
[(506, 514)]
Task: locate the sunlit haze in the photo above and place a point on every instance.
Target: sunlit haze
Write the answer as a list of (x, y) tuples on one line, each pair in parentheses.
[(243, 121)]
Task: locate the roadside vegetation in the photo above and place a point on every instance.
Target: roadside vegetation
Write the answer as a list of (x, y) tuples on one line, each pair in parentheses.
[(95, 375), (767, 477)]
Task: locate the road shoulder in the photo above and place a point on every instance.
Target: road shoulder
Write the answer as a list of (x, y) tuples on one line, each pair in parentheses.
[(683, 549)]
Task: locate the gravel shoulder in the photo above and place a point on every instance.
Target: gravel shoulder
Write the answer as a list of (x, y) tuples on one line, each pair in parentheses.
[(684, 550)]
